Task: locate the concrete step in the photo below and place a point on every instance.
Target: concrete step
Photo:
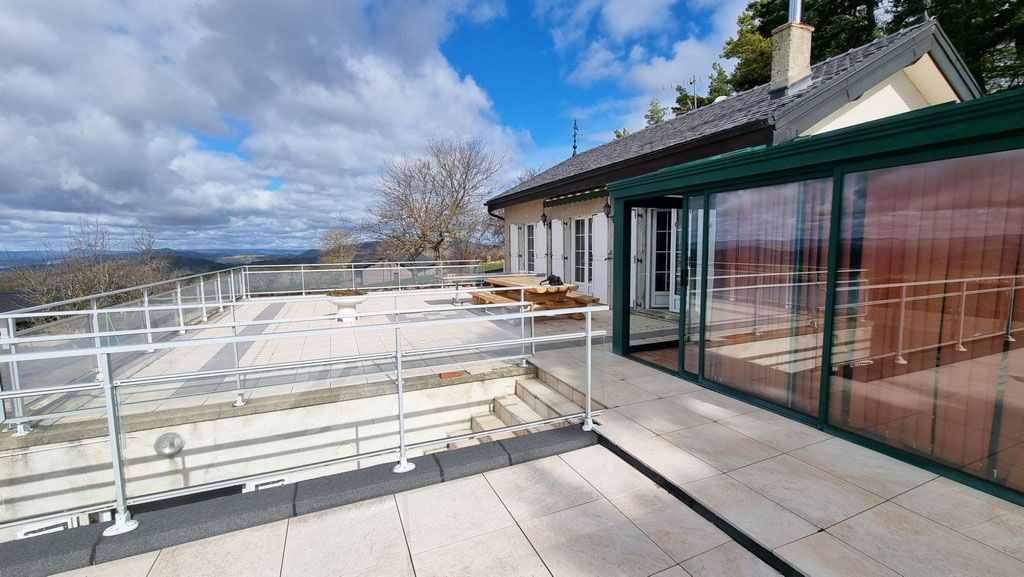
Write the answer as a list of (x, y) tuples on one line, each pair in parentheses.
[(514, 411), (488, 422), (462, 443), (553, 381), (546, 401)]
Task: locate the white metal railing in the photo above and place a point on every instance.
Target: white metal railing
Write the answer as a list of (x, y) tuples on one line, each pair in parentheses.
[(166, 309), (101, 350)]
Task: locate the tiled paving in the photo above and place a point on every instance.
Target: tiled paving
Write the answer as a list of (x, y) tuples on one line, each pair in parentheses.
[(826, 506), (581, 513)]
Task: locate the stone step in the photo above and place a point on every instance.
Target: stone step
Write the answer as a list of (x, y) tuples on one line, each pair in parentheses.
[(462, 443), (546, 401), (488, 422), (514, 411), (553, 381)]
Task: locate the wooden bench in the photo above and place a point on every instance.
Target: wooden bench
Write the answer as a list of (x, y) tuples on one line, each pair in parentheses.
[(582, 298), (480, 297)]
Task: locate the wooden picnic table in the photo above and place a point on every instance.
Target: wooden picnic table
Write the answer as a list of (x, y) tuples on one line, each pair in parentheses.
[(544, 297)]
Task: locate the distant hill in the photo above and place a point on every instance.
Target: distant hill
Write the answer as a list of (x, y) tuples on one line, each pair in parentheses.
[(365, 252), (193, 265)]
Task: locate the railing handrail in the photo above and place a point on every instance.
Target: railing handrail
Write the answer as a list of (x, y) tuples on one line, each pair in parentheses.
[(349, 265), (243, 269), (279, 299), (242, 324), (145, 347)]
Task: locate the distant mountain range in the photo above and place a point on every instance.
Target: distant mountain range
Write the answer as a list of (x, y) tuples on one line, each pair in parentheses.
[(199, 260)]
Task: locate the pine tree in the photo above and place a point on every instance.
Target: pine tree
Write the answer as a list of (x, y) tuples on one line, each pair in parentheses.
[(656, 113), (988, 34), (839, 25)]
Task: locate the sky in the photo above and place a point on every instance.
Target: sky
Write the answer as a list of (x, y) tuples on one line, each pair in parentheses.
[(262, 123)]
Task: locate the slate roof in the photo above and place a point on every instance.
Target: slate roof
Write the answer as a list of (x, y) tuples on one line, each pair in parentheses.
[(754, 107)]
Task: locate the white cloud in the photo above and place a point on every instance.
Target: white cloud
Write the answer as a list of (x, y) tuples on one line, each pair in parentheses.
[(103, 104), (641, 47)]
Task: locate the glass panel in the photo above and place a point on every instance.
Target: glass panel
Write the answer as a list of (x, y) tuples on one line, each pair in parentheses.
[(768, 261), (928, 350), (529, 247), (590, 250), (691, 258)]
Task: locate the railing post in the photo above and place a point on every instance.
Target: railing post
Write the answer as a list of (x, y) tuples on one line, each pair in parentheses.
[(240, 395), (302, 278), (202, 297), (1009, 318), (246, 289), (403, 465), (522, 328), (352, 272), (899, 329), (20, 429), (588, 420), (96, 341), (149, 321), (231, 285), (181, 310), (963, 311), (220, 296), (123, 521)]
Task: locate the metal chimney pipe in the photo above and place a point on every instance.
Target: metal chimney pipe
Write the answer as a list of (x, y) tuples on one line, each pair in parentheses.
[(795, 7)]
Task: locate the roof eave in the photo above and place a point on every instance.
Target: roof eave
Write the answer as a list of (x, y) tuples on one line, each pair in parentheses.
[(805, 113), (550, 188)]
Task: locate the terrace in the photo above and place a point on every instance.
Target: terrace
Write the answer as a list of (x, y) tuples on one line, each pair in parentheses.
[(270, 393), (231, 424)]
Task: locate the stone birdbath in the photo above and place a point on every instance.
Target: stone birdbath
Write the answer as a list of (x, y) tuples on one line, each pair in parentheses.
[(346, 300)]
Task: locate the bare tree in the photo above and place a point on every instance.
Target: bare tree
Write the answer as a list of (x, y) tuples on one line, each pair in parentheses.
[(338, 245), (435, 204), (88, 266)]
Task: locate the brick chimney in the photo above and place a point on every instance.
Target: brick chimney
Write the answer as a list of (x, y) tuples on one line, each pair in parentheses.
[(791, 51)]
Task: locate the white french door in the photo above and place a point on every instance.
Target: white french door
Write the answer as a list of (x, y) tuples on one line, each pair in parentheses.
[(661, 259), (582, 249)]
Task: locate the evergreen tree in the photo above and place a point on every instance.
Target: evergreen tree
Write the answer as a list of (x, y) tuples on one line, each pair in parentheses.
[(988, 34), (839, 25), (718, 86), (753, 52), (656, 113), (621, 133)]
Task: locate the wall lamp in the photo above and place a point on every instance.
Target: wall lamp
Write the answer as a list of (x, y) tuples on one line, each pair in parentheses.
[(543, 217), (607, 208)]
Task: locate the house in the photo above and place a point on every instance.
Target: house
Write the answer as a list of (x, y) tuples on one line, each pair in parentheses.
[(561, 222)]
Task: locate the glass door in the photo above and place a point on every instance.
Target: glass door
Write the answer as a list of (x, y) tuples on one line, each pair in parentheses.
[(583, 253), (690, 255)]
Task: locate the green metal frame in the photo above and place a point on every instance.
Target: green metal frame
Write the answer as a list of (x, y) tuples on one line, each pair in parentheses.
[(577, 197), (986, 125)]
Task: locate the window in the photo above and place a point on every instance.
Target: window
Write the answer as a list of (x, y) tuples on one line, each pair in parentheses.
[(583, 250)]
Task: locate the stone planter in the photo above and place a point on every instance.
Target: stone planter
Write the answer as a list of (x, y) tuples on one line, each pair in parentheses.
[(347, 312)]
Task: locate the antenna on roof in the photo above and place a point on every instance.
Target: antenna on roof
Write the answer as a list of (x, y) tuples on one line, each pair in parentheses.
[(575, 131)]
